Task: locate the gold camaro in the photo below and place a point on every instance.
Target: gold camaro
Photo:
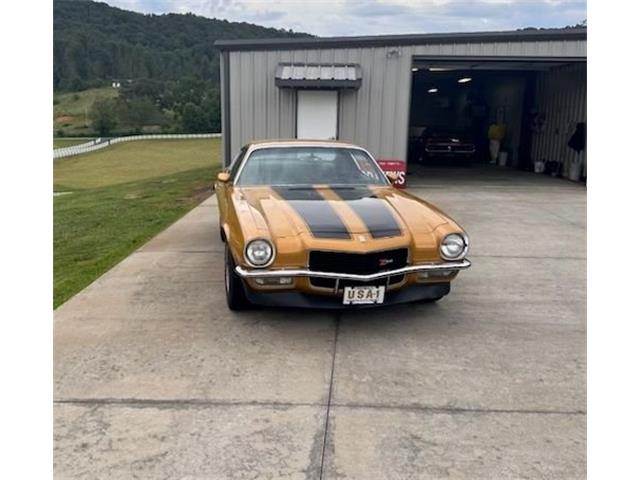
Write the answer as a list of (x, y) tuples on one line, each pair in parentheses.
[(318, 224)]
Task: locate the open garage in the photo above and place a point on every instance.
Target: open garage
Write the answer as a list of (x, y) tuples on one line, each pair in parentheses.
[(517, 98), (505, 112)]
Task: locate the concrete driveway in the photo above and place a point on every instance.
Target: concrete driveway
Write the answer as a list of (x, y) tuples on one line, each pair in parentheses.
[(155, 378)]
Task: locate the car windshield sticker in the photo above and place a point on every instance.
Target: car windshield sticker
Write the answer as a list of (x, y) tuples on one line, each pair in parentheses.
[(364, 165)]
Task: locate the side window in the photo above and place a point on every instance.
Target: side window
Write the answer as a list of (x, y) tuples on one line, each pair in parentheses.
[(233, 168)]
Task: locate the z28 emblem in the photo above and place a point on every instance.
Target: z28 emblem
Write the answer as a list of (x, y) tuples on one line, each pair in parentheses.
[(385, 261)]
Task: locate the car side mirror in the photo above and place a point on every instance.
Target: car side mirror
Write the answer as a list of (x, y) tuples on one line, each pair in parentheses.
[(224, 177)]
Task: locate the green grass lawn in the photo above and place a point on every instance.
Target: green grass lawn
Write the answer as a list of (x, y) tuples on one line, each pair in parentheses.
[(69, 142), (121, 197)]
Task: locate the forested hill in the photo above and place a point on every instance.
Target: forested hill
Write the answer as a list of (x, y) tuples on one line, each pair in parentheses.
[(94, 43)]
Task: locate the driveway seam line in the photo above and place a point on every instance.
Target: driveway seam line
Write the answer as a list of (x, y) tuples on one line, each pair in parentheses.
[(459, 410), (171, 403), (144, 403), (326, 419)]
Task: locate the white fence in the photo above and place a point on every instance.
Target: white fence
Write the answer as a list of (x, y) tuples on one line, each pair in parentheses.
[(99, 143)]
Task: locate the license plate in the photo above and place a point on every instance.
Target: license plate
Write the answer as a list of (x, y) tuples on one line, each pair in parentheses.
[(362, 295)]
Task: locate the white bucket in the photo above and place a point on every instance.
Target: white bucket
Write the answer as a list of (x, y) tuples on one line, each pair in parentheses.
[(575, 170), (538, 166), (494, 150)]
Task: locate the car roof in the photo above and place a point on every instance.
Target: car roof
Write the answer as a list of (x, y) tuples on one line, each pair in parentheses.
[(295, 142)]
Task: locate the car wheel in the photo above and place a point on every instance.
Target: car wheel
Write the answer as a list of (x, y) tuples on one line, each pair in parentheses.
[(233, 286)]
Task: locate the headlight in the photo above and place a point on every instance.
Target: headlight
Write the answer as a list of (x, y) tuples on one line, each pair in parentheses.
[(259, 253), (454, 246)]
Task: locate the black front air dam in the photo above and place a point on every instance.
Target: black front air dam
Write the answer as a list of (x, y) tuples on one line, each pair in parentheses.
[(413, 293)]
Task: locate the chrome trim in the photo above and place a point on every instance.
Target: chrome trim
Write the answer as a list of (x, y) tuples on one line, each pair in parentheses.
[(427, 267), (450, 152), (336, 286)]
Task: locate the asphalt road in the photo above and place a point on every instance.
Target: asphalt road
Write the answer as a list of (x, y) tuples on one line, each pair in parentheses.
[(155, 378)]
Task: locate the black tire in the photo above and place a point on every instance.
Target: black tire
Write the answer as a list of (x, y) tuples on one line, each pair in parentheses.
[(233, 285)]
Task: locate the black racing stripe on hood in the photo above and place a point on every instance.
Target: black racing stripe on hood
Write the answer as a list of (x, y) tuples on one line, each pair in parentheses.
[(315, 210), (373, 211)]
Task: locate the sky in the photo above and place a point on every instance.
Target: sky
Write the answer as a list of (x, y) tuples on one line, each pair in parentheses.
[(376, 17)]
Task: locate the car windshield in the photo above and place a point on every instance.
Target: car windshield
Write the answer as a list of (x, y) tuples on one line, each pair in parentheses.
[(310, 166)]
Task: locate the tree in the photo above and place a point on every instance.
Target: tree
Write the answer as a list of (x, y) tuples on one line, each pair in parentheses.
[(103, 117), (94, 41), (141, 111), (193, 119), (197, 105)]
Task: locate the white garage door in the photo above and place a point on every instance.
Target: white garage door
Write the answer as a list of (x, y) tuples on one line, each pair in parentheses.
[(317, 114)]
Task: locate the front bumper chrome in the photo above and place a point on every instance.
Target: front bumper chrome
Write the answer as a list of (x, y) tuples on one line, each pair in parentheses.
[(284, 272)]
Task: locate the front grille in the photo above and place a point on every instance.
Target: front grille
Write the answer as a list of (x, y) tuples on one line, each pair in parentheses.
[(331, 283), (465, 148), (356, 263)]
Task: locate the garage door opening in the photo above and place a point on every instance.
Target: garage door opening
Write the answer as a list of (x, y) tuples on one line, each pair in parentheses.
[(512, 113)]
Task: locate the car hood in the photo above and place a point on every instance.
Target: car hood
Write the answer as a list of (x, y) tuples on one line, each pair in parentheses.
[(338, 213), (455, 139)]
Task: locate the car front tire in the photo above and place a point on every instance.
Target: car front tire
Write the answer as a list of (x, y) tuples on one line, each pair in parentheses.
[(233, 285)]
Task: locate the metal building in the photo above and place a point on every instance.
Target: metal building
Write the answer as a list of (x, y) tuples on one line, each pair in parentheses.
[(372, 91)]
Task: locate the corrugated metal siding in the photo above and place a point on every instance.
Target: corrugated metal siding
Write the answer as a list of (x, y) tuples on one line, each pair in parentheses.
[(223, 106), (561, 95), (317, 71), (375, 116)]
